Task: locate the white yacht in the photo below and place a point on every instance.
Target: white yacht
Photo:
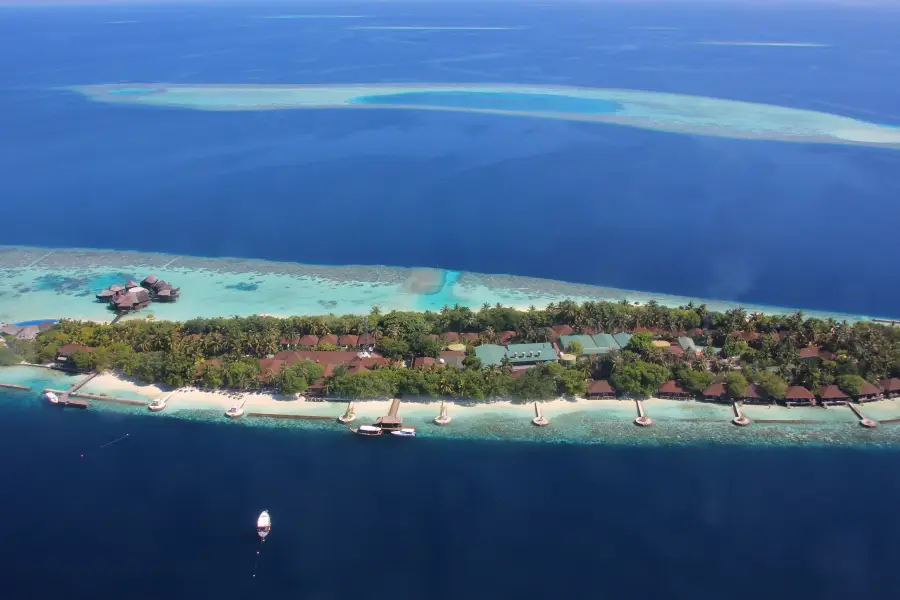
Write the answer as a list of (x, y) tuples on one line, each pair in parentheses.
[(368, 430), (263, 525), (53, 398), (404, 432)]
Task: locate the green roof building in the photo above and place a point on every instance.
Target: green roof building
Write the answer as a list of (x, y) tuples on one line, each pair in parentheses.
[(586, 341), (518, 354), (605, 342), (622, 338), (687, 343)]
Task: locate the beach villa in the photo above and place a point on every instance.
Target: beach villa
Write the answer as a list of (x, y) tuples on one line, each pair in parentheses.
[(869, 393), (891, 387), (600, 390), (798, 395), (672, 391), (830, 395), (65, 353)]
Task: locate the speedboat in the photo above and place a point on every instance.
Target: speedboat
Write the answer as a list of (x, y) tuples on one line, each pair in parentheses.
[(53, 398), (157, 405), (405, 432), (368, 430), (263, 525), (234, 412)]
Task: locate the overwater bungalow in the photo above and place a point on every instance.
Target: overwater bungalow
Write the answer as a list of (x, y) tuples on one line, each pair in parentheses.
[(600, 390), (830, 395), (672, 391), (869, 393), (164, 292), (891, 387), (131, 300), (798, 395)]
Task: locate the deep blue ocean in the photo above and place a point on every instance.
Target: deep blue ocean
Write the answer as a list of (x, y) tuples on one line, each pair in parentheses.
[(169, 512), (770, 222)]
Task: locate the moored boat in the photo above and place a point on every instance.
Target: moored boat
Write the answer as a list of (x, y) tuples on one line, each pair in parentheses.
[(53, 398), (235, 411), (263, 525), (157, 405), (405, 432), (368, 430)]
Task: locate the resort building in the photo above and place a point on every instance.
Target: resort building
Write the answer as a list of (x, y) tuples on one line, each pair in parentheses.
[(328, 338), (799, 396), (133, 299), (672, 391), (716, 393), (21, 332), (588, 344), (605, 342), (308, 340), (558, 331), (453, 358), (516, 354), (687, 344), (869, 393), (622, 338), (600, 390), (815, 353), (366, 340), (891, 387), (159, 290), (506, 336), (348, 340), (65, 353), (832, 394)]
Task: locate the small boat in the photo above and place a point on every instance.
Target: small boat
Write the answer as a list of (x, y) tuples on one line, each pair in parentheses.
[(368, 430), (234, 412), (263, 525), (405, 432), (157, 405), (53, 398)]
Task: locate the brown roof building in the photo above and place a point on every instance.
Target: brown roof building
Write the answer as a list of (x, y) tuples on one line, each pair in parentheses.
[(308, 340), (329, 338), (600, 389), (815, 353), (672, 390), (869, 392), (558, 331), (453, 358), (891, 387), (506, 336), (716, 392), (832, 394), (348, 340), (450, 336), (798, 394)]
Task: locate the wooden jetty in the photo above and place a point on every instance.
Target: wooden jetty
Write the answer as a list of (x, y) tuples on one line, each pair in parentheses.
[(539, 419), (443, 418), (739, 419), (13, 386), (642, 419), (863, 419), (391, 420), (111, 399)]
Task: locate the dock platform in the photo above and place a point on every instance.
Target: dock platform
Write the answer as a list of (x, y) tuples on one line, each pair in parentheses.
[(14, 386), (863, 419), (739, 419)]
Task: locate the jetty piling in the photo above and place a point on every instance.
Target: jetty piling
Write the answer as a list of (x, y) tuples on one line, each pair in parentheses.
[(642, 419), (443, 418), (739, 419), (863, 419), (539, 419)]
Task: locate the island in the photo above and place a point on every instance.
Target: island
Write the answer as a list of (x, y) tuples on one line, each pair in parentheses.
[(569, 352)]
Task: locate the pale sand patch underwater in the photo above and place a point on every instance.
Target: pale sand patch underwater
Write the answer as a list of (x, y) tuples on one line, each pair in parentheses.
[(676, 113), (42, 283)]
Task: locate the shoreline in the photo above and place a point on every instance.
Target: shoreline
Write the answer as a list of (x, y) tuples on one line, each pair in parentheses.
[(571, 420), (43, 283)]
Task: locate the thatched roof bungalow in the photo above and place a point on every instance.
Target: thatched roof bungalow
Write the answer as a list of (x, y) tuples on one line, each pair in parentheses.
[(600, 390)]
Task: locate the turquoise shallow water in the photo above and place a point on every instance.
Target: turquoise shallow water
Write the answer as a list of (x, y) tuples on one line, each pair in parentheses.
[(511, 101), (43, 283)]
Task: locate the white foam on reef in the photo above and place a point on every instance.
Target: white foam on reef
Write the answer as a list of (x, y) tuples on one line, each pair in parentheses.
[(765, 44), (38, 284), (428, 28), (676, 113)]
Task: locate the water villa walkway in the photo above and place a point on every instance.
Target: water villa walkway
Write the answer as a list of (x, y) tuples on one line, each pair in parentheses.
[(13, 386), (863, 419), (642, 419), (739, 419)]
